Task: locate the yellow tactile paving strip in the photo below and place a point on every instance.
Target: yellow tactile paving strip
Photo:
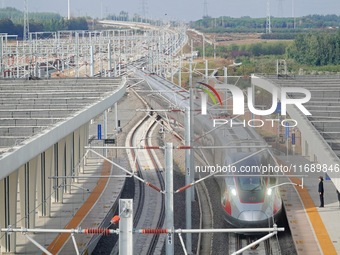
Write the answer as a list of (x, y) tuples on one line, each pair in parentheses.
[(321, 233), (61, 239)]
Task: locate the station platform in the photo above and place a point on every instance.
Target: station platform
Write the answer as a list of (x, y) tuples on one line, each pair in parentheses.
[(87, 206), (314, 230), (91, 200)]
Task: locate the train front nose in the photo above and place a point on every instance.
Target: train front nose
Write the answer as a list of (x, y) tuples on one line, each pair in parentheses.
[(253, 216)]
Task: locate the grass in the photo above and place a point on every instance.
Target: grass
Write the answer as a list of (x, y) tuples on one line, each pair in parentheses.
[(264, 64)]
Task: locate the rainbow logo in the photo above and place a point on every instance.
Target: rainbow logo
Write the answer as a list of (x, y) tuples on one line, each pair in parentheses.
[(213, 94)]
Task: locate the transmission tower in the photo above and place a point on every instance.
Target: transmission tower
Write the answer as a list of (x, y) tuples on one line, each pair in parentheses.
[(26, 22), (268, 25), (144, 8), (205, 8), (293, 13)]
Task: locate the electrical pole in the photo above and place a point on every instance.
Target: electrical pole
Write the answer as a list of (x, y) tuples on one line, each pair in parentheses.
[(293, 14), (169, 198), (125, 226), (68, 10), (268, 25), (188, 209), (144, 9), (26, 22), (205, 9)]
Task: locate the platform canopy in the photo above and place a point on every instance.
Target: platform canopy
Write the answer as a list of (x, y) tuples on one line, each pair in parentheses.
[(35, 114), (324, 104)]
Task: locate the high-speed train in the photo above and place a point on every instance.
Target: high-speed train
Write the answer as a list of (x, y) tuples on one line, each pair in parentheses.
[(247, 199)]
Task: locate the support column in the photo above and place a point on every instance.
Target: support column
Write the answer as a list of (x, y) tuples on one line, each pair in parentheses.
[(105, 125), (109, 58), (305, 147), (17, 58), (86, 137), (116, 117), (8, 210), (169, 198), (225, 75), (91, 62), (54, 169), (225, 81), (76, 153), (188, 211), (126, 226), (192, 124), (61, 171), (115, 67), (206, 71), (191, 162), (44, 183), (77, 55), (105, 132), (34, 167), (119, 67), (81, 147), (69, 162), (27, 192), (180, 72)]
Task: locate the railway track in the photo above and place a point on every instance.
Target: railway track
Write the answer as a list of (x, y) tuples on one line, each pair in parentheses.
[(204, 242), (148, 202), (157, 167), (267, 247)]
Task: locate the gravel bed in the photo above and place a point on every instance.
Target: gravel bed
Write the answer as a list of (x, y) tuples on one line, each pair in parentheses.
[(221, 239), (127, 105), (179, 198), (106, 243), (285, 238)]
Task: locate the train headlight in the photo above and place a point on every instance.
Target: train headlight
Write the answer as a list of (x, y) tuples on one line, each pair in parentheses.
[(233, 191), (269, 191)]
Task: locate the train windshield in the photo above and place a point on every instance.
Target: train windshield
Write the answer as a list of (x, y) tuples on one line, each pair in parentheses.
[(250, 183)]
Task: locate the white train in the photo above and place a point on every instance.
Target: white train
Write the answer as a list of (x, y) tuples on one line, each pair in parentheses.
[(247, 199)]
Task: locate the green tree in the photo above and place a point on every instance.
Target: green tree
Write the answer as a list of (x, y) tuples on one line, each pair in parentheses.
[(77, 24), (7, 26), (318, 49)]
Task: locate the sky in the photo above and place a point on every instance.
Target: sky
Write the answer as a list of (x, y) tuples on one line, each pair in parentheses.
[(184, 10)]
